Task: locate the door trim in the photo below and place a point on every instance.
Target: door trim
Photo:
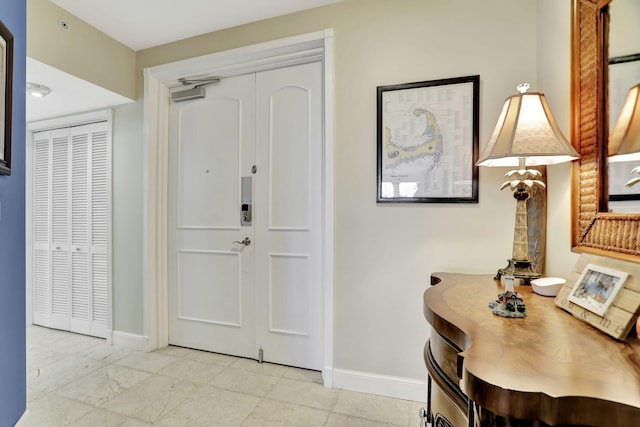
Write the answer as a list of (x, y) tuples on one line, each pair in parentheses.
[(158, 80)]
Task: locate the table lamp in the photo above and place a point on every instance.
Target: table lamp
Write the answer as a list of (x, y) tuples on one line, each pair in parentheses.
[(526, 135), (624, 140)]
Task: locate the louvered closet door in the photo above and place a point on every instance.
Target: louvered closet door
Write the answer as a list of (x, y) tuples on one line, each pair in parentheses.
[(99, 228), (41, 224), (79, 200), (59, 246), (71, 190)]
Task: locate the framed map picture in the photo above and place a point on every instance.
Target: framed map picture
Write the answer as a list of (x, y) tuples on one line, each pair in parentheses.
[(428, 141), (6, 83)]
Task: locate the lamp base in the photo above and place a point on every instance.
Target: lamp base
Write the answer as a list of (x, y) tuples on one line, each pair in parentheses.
[(519, 269)]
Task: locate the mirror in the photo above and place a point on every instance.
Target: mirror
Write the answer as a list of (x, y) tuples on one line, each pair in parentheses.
[(624, 72), (593, 228)]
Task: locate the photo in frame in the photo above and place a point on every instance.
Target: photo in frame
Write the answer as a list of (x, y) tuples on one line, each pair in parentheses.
[(427, 141), (597, 288), (6, 84)]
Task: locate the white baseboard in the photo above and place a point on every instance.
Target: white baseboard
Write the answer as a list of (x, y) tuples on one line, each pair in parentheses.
[(381, 385), (125, 339)]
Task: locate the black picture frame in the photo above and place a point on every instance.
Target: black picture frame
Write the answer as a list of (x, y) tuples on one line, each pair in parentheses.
[(427, 141), (6, 97)]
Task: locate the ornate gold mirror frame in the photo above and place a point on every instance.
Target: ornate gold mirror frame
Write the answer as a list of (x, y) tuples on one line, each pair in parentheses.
[(594, 229)]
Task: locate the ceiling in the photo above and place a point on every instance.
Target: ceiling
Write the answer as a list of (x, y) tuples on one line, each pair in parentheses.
[(146, 23), (69, 94)]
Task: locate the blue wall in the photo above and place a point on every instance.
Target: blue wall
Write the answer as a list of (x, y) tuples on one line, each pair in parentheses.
[(12, 235)]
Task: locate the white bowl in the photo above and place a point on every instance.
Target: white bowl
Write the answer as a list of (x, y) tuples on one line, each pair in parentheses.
[(547, 286)]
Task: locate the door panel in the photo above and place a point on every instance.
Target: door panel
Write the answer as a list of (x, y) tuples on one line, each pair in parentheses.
[(100, 294), (211, 278), (60, 189), (203, 299), (41, 287), (289, 204), (289, 233), (210, 162), (60, 297), (80, 303), (80, 190), (100, 178), (289, 285)]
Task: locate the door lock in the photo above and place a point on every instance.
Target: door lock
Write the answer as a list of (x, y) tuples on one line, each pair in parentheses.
[(245, 204), (245, 214), (246, 241)]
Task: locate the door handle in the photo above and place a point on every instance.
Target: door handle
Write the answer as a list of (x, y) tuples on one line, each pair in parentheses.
[(246, 241)]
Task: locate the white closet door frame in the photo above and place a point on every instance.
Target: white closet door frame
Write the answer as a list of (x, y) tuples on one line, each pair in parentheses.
[(64, 122), (317, 46)]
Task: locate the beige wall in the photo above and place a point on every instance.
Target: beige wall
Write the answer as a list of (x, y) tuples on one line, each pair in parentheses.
[(82, 51), (128, 219), (384, 253)]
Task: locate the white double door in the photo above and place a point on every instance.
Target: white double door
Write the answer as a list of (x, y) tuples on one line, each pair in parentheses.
[(263, 294)]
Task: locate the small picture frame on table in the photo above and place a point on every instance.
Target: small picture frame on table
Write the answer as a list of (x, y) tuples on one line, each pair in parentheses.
[(597, 288), (428, 141)]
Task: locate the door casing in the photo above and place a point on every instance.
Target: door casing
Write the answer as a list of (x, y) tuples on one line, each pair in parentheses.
[(317, 46)]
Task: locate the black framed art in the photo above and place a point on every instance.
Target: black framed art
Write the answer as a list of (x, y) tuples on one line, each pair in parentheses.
[(6, 84), (428, 141)]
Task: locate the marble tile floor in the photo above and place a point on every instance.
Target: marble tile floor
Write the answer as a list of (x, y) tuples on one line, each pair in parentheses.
[(75, 380)]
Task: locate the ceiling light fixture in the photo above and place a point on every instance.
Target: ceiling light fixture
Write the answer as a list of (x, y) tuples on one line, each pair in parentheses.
[(37, 90)]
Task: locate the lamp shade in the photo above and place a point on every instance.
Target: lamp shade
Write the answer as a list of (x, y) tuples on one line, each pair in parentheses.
[(624, 140), (526, 129)]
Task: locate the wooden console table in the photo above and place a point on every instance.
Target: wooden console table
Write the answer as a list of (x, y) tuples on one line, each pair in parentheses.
[(546, 369)]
